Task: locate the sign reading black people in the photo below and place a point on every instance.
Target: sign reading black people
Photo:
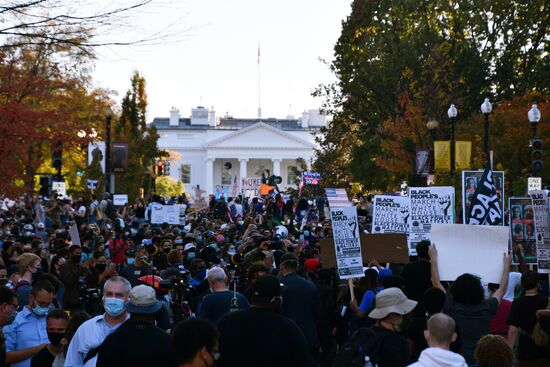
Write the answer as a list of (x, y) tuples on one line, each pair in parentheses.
[(542, 229), (391, 214), (484, 205), (429, 205), (470, 182), (347, 244), (522, 227)]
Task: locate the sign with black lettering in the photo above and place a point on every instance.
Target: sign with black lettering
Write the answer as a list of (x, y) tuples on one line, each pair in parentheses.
[(391, 214), (347, 244)]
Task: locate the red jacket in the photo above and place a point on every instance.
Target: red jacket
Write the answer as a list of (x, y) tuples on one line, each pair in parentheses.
[(117, 250)]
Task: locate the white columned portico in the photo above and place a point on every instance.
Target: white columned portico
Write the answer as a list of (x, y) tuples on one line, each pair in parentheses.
[(242, 167), (209, 176), (276, 166)]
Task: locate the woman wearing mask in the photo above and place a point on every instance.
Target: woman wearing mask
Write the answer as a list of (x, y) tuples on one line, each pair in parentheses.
[(30, 269)]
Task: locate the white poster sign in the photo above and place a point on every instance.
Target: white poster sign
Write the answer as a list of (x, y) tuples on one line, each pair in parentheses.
[(542, 229), (182, 208), (120, 199), (534, 183), (60, 187), (165, 214), (429, 205), (477, 250), (250, 187), (347, 245), (391, 214)]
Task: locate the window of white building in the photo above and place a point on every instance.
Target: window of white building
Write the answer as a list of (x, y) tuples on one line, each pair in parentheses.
[(226, 176), (291, 175), (186, 173)]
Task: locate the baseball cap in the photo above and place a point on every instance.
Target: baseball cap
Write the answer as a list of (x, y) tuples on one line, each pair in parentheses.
[(143, 300), (40, 225), (312, 264), (189, 246)]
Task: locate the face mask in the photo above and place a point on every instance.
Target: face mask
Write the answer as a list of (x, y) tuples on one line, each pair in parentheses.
[(213, 245), (55, 338), (101, 267), (76, 259), (191, 255), (306, 233), (231, 252), (131, 261), (199, 238), (167, 249), (113, 306), (40, 311), (178, 242)]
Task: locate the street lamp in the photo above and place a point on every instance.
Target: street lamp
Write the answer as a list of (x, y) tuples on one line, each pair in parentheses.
[(534, 117), (486, 108), (452, 112), (108, 117), (432, 125)]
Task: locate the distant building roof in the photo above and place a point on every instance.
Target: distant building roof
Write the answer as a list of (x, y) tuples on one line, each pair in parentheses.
[(230, 124)]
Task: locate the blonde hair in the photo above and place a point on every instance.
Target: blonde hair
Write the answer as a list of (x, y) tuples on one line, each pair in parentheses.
[(25, 260)]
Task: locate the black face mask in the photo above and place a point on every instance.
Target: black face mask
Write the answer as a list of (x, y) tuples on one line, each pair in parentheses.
[(76, 259), (101, 267), (36, 275), (167, 249), (55, 338)]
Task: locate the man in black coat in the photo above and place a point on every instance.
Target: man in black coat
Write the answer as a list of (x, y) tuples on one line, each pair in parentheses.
[(301, 301)]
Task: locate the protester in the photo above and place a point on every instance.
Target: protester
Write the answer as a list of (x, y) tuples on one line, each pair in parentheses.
[(71, 272), (270, 338), (29, 267), (494, 351), (56, 325), (138, 342), (439, 335), (27, 334), (8, 313), (196, 342), (85, 344), (417, 276)]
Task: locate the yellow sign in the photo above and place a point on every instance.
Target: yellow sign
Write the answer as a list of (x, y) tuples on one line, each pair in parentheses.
[(442, 153), (463, 155)]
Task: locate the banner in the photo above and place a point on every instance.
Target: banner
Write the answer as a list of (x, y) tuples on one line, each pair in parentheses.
[(120, 199), (423, 162), (311, 178), (250, 186), (347, 244), (221, 191), (484, 205), (463, 155), (542, 229), (391, 214), (434, 204), (470, 181), (119, 158), (96, 151), (522, 227), (477, 250), (442, 154), (165, 214), (337, 198)]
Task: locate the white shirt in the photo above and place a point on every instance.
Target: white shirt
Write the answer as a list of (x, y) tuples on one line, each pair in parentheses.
[(88, 336)]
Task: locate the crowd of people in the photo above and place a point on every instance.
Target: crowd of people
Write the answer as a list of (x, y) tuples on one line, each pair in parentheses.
[(240, 282)]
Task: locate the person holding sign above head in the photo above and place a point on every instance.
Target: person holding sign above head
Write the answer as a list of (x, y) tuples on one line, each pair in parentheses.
[(467, 305)]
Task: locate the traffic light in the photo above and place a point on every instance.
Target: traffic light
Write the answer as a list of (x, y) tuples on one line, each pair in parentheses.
[(537, 155), (44, 186), (167, 168), (160, 168), (57, 156)]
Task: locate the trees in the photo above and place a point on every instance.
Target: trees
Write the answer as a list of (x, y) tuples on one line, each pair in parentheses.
[(429, 54), (169, 187)]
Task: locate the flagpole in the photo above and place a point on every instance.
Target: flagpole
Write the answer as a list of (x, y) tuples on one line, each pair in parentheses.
[(259, 85)]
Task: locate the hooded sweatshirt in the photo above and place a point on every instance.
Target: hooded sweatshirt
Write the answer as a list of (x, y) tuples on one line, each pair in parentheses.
[(437, 357)]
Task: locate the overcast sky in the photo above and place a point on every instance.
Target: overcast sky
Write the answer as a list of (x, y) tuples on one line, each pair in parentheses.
[(216, 63)]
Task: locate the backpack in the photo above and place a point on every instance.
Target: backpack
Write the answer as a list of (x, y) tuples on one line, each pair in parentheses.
[(364, 342)]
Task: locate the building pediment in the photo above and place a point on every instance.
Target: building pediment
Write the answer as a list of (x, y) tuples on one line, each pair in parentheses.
[(259, 135)]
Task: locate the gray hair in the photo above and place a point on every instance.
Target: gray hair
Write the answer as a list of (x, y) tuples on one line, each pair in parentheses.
[(119, 279), (216, 274)]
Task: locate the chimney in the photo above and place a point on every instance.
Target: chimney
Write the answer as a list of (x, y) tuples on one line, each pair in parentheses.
[(305, 120), (212, 117), (174, 117)]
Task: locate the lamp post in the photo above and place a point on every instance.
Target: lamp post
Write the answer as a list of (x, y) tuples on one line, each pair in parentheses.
[(534, 117), (108, 117), (432, 125), (486, 108), (452, 112)]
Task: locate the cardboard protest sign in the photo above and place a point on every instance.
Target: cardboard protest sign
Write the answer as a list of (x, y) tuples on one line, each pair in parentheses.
[(391, 214), (165, 214), (386, 248), (434, 204), (463, 248), (470, 181), (120, 199), (542, 229), (250, 186), (347, 244), (522, 227)]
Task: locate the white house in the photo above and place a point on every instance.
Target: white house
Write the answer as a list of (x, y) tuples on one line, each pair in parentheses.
[(216, 150)]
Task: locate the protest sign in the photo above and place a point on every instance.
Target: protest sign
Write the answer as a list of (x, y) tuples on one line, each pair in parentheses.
[(120, 199), (434, 204), (542, 229), (60, 187), (165, 214), (463, 248), (484, 205), (182, 209), (345, 229), (385, 248), (522, 227), (337, 198), (470, 181), (391, 214), (75, 236), (311, 178), (221, 191), (250, 186), (91, 184)]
